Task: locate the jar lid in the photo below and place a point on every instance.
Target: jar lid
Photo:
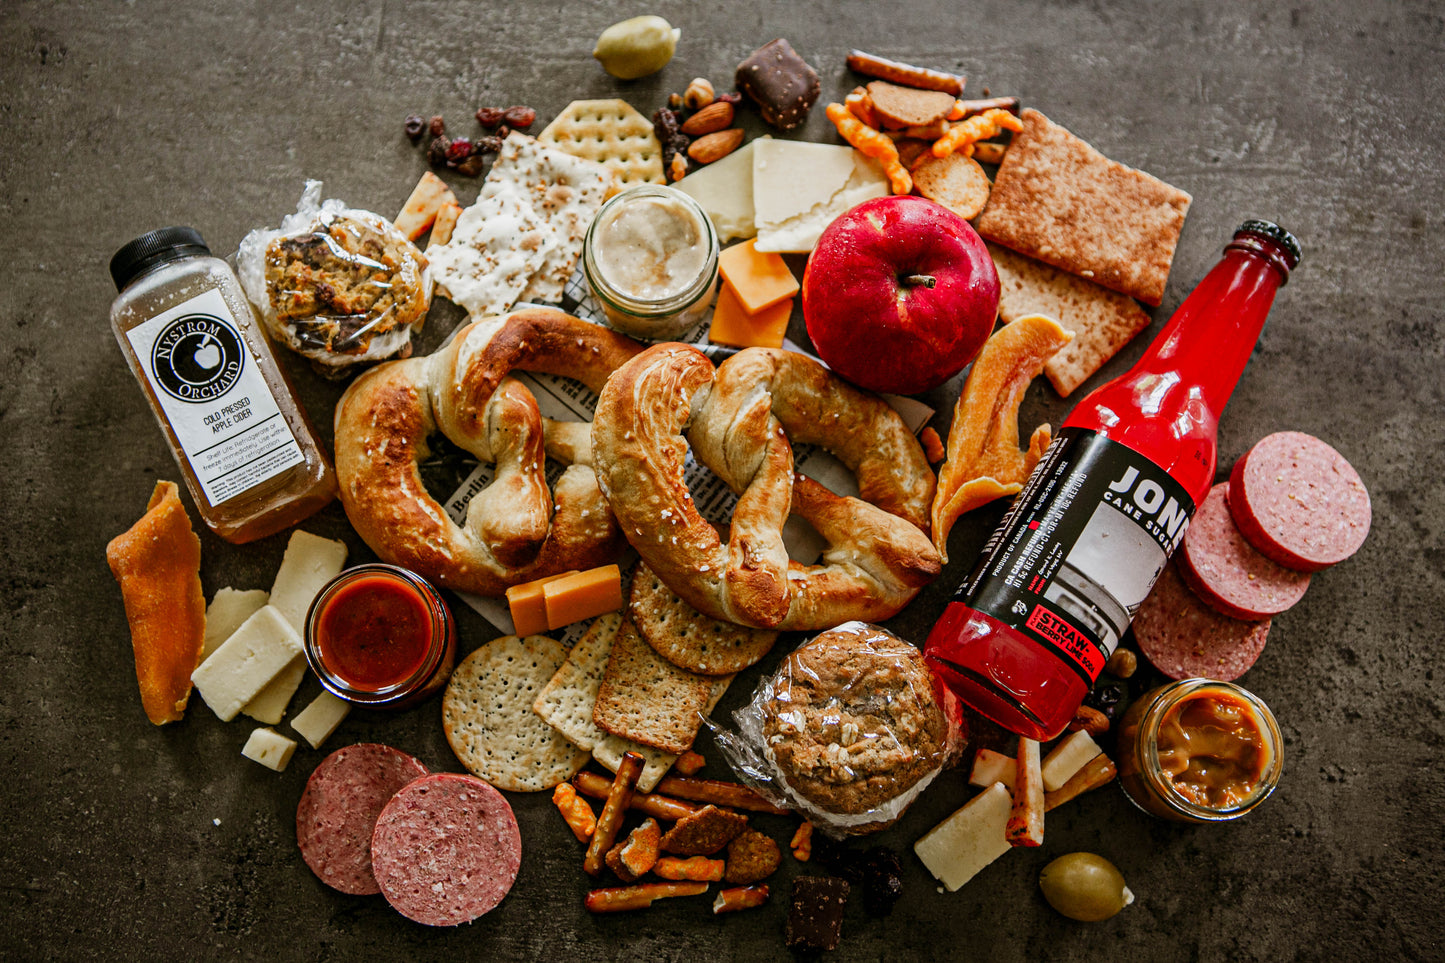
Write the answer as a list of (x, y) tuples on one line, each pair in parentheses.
[(165, 244), (1273, 232)]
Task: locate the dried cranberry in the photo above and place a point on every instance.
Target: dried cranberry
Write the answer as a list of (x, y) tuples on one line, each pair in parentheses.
[(437, 126), (490, 116), (471, 166), (414, 126), (1107, 697), (502, 132), (436, 152), (459, 150), (519, 118), (882, 880), (669, 132)]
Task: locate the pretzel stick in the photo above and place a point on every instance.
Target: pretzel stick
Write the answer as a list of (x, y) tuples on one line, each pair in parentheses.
[(612, 812), (649, 804), (740, 898), (967, 108), (1026, 821), (989, 152), (618, 899), (717, 793), (907, 75), (1097, 772)]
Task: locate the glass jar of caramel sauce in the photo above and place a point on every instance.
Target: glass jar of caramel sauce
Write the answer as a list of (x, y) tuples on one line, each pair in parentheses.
[(1199, 751)]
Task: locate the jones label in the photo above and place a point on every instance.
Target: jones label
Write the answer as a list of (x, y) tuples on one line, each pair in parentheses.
[(1081, 548), (214, 396)]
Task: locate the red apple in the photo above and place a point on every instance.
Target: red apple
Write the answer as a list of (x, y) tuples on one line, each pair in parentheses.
[(899, 295)]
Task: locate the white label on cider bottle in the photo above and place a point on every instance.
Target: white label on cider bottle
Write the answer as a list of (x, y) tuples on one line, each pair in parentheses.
[(214, 396)]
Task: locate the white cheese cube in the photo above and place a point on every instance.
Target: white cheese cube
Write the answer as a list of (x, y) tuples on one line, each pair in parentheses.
[(1068, 756), (958, 848), (724, 189), (990, 767), (244, 664), (269, 705), (226, 613), (309, 563), (801, 188), (269, 748), (319, 720)]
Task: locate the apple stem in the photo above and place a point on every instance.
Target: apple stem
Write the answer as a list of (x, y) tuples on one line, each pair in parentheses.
[(927, 280)]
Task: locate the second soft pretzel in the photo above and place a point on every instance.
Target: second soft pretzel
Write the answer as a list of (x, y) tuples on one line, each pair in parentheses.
[(740, 420)]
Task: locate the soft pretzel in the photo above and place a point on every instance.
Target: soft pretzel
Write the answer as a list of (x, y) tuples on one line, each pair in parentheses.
[(515, 529), (740, 420)]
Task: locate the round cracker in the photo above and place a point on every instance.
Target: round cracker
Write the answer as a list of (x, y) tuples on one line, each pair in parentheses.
[(685, 637), (956, 182), (488, 717)]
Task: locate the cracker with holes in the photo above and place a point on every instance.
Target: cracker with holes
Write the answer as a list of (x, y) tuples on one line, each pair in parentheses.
[(489, 722), (612, 133), (647, 699), (684, 636), (566, 701)]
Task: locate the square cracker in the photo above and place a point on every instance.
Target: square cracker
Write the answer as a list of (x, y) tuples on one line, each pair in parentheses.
[(1102, 321), (647, 699), (566, 702), (612, 133), (655, 762), (1059, 200)]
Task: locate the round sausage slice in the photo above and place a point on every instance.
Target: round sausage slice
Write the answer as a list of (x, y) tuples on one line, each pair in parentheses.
[(1187, 639), (446, 849), (1224, 570), (338, 811), (1299, 502)]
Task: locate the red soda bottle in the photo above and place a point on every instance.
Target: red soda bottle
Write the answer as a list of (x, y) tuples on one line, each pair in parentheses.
[(1028, 632)]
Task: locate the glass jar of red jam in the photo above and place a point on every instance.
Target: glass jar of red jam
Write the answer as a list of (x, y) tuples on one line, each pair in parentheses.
[(381, 636), (1199, 751)]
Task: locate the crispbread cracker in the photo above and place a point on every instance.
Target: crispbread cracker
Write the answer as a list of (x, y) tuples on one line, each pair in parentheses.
[(1101, 320), (567, 700), (684, 636), (655, 762), (489, 722), (612, 133), (955, 181), (647, 699), (1059, 200)]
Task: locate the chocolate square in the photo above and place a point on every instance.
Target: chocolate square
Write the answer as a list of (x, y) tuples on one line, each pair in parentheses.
[(815, 917), (780, 82)]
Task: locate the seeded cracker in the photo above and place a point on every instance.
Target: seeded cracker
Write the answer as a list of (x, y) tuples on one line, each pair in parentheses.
[(1101, 320), (489, 722), (612, 133), (567, 700), (1058, 199), (647, 699), (684, 636)]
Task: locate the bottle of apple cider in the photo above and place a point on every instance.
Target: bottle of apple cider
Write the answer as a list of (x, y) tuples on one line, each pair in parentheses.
[(248, 453), (1029, 631)]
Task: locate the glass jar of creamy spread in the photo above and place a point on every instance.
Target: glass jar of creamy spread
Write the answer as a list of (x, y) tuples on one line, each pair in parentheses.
[(651, 260), (1199, 751)]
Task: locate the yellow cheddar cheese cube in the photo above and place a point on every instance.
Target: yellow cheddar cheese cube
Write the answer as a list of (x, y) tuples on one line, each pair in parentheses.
[(582, 595), (529, 610), (733, 325), (759, 280)]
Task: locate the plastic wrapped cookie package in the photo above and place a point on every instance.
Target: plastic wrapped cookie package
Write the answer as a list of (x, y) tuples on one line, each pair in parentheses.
[(848, 732), (337, 285)]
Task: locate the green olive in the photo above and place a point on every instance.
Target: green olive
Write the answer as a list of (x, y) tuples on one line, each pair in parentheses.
[(1085, 887), (637, 47)]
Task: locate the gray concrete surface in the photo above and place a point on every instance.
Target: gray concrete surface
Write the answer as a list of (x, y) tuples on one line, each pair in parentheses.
[(126, 841)]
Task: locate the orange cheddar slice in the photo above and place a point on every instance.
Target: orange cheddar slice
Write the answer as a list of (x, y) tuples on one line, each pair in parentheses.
[(758, 280), (582, 595), (529, 611), (733, 325)]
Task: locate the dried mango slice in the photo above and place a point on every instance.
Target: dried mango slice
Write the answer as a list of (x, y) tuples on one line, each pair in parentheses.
[(158, 565), (984, 460)]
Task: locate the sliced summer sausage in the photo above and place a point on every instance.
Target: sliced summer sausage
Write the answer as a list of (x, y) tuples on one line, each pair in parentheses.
[(1299, 501), (338, 811), (446, 849), (1185, 638), (1226, 571)]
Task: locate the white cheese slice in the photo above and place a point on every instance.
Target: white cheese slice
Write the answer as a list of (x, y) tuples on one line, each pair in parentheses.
[(269, 705), (958, 848), (309, 563), (655, 762), (724, 189), (256, 653), (800, 188), (990, 767), (319, 720), (269, 748), (1067, 757), (226, 612)]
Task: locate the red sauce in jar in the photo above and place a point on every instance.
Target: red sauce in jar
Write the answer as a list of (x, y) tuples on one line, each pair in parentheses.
[(375, 633)]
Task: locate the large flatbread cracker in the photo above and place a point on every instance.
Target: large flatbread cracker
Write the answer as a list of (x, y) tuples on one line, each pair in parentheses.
[(1059, 200), (1102, 321), (489, 722), (612, 133), (647, 699)]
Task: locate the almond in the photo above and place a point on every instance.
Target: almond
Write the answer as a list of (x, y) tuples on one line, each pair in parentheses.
[(711, 147), (714, 117)]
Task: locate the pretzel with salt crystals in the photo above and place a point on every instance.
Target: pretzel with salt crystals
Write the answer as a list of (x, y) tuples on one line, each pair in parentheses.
[(516, 530), (739, 421)]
